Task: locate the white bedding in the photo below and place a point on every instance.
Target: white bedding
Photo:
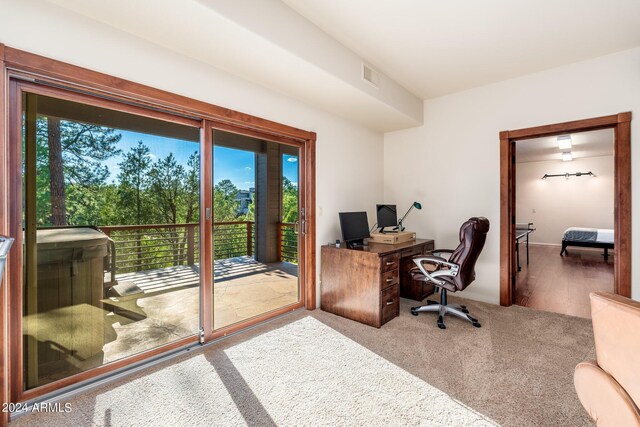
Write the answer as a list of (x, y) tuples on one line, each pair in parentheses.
[(605, 235), (581, 234)]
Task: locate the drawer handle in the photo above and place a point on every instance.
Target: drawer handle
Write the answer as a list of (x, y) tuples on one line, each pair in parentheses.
[(390, 263), (391, 302), (389, 280)]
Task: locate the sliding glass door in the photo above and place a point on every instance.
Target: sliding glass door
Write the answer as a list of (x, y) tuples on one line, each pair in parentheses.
[(256, 229), (141, 231), (111, 212)]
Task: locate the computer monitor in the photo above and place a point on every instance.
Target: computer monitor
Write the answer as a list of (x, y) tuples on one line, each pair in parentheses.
[(387, 216), (355, 228)]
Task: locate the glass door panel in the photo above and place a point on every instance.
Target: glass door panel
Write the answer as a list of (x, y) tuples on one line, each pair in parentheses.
[(111, 232), (256, 232)]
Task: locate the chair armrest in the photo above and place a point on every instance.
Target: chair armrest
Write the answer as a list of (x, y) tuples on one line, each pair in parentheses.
[(602, 396), (437, 252), (439, 262)]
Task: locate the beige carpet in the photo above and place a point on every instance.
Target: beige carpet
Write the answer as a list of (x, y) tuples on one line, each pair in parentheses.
[(515, 370)]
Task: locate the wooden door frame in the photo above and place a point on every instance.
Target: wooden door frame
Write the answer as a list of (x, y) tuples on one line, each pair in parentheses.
[(4, 227), (621, 124), (20, 66)]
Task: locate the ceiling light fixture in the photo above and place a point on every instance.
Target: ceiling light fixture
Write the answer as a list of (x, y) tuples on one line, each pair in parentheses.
[(566, 156), (564, 142)]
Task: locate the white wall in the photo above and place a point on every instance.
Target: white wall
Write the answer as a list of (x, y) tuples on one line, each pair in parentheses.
[(451, 163), (555, 204), (342, 183)]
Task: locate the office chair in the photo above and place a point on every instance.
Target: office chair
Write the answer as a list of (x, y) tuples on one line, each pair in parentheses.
[(452, 274)]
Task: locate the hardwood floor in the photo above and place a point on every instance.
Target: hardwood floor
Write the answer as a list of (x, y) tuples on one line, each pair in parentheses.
[(562, 284)]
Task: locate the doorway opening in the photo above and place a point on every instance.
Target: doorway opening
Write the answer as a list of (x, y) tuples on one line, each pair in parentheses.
[(511, 234), (564, 220)]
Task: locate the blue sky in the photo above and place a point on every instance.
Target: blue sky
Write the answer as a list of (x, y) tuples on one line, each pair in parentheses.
[(228, 163), (238, 166), (159, 146)]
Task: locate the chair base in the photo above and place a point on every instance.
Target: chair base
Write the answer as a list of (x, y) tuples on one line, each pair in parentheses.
[(443, 308)]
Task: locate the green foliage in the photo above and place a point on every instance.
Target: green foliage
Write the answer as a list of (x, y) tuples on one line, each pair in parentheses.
[(85, 148), (145, 191), (192, 189), (166, 186), (289, 201), (132, 199), (225, 202)]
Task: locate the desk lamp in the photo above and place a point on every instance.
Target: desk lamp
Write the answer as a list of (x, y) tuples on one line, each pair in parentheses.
[(414, 205)]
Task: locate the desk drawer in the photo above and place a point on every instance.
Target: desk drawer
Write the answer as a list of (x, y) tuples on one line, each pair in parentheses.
[(390, 301), (390, 262), (411, 252), (389, 278)]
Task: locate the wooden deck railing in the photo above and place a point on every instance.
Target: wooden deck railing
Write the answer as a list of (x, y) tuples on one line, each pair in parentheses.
[(288, 242), (232, 239), (147, 247)]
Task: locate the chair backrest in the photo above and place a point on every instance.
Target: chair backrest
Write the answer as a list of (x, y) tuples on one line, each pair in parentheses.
[(473, 234), (616, 322)]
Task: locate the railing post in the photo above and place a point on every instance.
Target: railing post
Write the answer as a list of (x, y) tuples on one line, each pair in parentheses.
[(249, 239), (280, 245), (139, 249), (191, 244)]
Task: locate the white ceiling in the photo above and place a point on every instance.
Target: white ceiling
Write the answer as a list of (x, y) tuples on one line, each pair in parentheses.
[(585, 144), (265, 42), (435, 47), (313, 50)]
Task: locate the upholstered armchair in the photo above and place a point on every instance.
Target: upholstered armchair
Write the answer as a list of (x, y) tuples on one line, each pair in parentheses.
[(609, 387)]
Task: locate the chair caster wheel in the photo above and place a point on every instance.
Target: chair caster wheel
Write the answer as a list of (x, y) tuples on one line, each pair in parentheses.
[(441, 323), (476, 324), (413, 311), (465, 311)]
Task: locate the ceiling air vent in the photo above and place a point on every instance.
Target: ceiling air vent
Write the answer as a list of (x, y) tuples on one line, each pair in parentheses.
[(370, 75)]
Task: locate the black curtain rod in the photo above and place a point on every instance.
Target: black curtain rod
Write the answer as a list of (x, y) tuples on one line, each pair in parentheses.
[(567, 175)]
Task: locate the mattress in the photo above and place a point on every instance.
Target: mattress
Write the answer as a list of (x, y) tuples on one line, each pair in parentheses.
[(580, 234)]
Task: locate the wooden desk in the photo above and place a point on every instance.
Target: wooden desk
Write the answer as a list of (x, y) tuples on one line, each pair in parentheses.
[(364, 284)]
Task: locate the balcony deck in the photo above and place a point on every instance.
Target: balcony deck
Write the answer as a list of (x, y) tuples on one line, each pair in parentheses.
[(168, 307)]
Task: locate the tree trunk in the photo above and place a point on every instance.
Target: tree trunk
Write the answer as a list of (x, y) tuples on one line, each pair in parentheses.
[(56, 172)]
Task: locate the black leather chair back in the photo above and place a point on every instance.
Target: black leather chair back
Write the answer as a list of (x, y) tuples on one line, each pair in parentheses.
[(473, 234)]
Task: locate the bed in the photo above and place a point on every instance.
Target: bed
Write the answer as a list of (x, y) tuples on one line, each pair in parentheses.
[(588, 238)]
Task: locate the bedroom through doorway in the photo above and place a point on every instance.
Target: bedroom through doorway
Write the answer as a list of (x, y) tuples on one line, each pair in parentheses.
[(564, 209), (562, 286)]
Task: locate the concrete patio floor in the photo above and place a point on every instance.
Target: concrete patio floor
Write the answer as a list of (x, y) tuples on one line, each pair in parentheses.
[(168, 309), (165, 308)]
